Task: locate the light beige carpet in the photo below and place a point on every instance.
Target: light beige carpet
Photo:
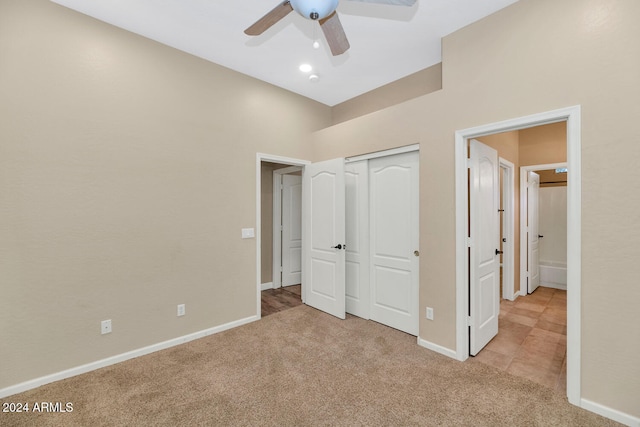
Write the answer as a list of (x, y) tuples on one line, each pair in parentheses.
[(301, 367)]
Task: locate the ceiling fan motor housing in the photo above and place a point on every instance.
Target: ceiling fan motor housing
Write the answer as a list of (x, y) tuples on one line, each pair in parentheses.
[(314, 9)]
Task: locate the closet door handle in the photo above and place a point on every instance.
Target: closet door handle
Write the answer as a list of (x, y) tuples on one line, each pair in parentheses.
[(540, 237), (498, 252), (338, 246)]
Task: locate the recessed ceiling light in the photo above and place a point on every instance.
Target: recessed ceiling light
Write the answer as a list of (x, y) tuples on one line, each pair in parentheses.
[(305, 68)]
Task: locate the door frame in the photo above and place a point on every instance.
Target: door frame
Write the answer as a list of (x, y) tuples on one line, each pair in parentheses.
[(261, 157), (572, 116), (276, 278), (524, 213), (507, 170)]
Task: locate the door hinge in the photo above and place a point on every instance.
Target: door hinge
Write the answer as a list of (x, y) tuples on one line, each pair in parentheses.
[(469, 242), (281, 270), (468, 163), (469, 321)]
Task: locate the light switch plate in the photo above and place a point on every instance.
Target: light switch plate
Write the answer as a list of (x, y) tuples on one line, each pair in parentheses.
[(248, 233), (429, 313)]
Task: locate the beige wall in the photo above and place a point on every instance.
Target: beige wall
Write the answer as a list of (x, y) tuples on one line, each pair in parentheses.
[(414, 85), (542, 145), (127, 170), (535, 56)]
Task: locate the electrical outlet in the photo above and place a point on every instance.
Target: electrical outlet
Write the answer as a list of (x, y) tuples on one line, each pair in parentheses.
[(181, 309), (105, 327), (429, 313)]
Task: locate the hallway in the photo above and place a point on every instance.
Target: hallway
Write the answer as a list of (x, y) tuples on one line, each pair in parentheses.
[(275, 300), (532, 338)]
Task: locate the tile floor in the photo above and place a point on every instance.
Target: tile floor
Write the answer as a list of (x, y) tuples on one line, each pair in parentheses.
[(531, 342), (532, 338), (275, 300)]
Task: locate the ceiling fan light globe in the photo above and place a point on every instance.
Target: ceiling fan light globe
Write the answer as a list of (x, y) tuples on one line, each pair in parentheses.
[(314, 9)]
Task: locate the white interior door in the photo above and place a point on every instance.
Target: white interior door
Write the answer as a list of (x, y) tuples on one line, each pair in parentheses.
[(324, 236), (533, 237), (484, 195), (393, 215), (291, 229), (357, 238)]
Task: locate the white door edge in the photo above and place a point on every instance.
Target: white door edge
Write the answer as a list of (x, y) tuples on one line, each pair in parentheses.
[(572, 115), (508, 258)]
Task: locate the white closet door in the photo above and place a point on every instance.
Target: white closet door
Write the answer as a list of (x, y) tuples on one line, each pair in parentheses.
[(394, 225), (357, 235)]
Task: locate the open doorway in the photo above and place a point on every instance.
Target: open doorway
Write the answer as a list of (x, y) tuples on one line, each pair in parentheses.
[(466, 319), (531, 336), (281, 232), (272, 174)]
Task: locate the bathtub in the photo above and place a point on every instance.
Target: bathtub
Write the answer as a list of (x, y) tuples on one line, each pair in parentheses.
[(553, 274)]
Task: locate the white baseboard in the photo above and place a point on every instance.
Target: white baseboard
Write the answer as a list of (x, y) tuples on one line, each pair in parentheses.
[(613, 414), (92, 366), (265, 286), (561, 286), (437, 348), (515, 296)]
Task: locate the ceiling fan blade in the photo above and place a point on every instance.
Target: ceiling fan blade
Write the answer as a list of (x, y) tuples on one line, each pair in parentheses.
[(391, 2), (334, 33), (270, 19)]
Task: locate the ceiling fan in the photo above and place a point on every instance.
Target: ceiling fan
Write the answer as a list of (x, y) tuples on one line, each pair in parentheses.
[(323, 11)]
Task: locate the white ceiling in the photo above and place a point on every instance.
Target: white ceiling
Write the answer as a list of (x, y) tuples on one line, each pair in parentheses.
[(387, 42)]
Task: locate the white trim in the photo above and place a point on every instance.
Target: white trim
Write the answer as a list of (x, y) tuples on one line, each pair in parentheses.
[(610, 413), (265, 286), (559, 286), (261, 157), (574, 256), (437, 348), (290, 169), (508, 224), (92, 366), (524, 206), (462, 233), (572, 116), (383, 153)]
